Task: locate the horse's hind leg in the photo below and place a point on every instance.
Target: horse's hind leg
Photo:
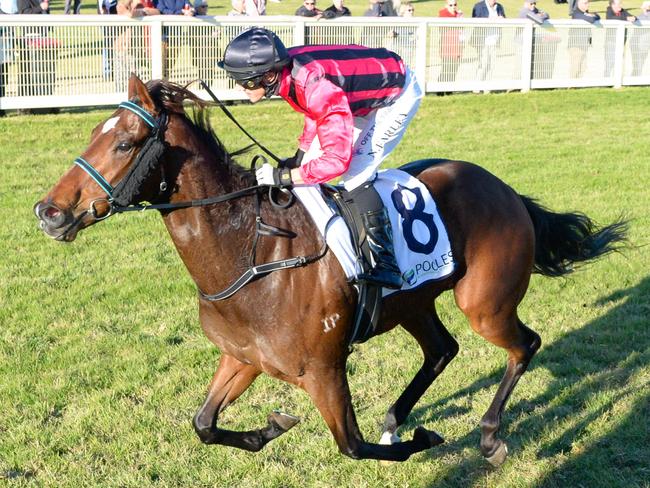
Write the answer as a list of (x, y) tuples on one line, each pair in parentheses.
[(523, 347), (230, 380), (439, 348), (492, 312), (328, 388)]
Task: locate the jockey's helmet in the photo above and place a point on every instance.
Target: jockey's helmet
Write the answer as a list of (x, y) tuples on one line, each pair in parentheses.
[(253, 53)]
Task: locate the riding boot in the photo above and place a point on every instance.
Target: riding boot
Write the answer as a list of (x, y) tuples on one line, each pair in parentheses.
[(379, 247)]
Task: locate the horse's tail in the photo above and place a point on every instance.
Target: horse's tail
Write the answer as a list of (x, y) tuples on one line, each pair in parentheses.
[(562, 239)]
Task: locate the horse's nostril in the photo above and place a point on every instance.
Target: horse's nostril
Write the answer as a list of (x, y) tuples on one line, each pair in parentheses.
[(51, 213)]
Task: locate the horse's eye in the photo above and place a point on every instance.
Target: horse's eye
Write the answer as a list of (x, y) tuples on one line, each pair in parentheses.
[(124, 146)]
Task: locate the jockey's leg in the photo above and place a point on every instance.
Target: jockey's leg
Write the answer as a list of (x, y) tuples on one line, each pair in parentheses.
[(378, 244), (376, 135)]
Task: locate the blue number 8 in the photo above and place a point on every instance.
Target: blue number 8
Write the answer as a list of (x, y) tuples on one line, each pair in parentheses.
[(410, 216)]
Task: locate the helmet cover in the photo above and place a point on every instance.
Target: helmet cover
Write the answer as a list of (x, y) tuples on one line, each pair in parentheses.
[(253, 53)]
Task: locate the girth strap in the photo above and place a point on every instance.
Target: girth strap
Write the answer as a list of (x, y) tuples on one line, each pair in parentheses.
[(255, 272)]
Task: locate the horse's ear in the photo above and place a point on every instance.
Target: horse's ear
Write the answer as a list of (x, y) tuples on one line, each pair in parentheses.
[(138, 90)]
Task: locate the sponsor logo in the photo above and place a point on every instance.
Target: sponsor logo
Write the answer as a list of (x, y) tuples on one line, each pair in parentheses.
[(427, 267), (410, 277)]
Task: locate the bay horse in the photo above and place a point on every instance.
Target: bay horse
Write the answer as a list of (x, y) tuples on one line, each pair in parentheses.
[(294, 324)]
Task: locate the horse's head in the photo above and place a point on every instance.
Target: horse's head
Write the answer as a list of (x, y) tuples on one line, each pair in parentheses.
[(114, 170)]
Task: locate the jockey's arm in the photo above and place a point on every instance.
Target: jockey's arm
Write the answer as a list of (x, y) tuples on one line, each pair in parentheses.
[(329, 107)]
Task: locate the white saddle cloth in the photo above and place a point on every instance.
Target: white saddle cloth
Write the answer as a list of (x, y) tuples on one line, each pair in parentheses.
[(421, 243)]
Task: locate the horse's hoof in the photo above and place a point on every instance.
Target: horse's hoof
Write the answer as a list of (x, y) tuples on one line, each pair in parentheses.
[(426, 438), (284, 421), (499, 456)]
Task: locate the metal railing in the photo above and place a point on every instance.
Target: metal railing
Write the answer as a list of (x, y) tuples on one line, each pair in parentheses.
[(65, 61)]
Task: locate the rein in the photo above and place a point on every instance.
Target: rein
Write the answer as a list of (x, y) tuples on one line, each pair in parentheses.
[(140, 170)]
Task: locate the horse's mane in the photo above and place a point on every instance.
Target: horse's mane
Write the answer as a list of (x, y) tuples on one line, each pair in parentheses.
[(171, 97)]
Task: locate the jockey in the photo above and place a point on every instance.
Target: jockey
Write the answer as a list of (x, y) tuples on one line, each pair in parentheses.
[(357, 103)]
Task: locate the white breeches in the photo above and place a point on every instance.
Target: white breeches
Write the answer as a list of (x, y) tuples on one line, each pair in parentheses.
[(376, 135)]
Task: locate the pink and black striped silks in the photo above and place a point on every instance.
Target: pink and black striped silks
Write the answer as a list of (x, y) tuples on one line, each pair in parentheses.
[(331, 84)]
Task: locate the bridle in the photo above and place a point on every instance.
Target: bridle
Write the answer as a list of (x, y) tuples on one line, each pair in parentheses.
[(119, 199), (122, 194)]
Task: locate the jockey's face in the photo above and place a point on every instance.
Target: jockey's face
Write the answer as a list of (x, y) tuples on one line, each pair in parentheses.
[(253, 94)]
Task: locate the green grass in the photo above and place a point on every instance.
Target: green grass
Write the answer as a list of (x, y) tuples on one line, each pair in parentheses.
[(103, 362)]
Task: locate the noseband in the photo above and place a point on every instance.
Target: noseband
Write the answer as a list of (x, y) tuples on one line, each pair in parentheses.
[(123, 194)]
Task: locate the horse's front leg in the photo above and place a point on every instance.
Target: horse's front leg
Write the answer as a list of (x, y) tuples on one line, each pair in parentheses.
[(331, 395), (230, 380)]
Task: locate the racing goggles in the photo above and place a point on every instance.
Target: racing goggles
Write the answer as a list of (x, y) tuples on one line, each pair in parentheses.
[(250, 83)]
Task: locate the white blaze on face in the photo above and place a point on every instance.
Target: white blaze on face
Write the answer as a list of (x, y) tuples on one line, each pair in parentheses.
[(109, 124)]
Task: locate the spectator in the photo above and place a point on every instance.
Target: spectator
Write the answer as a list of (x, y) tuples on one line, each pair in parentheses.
[(33, 7), (136, 8), (380, 35), (38, 56), (380, 8), (251, 8), (406, 10), (337, 9), (107, 7), (238, 8), (6, 45), (530, 11), (76, 9), (615, 11), (176, 7), (308, 9), (640, 42), (545, 42), (128, 51), (580, 38), (204, 46), (486, 40), (451, 47), (201, 8), (171, 43)]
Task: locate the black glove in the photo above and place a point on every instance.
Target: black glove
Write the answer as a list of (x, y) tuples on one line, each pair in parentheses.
[(294, 161)]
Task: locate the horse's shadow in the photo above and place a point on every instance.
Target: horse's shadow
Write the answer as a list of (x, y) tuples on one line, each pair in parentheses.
[(590, 367)]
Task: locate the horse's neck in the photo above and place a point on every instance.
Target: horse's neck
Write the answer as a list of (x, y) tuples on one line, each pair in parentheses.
[(211, 240)]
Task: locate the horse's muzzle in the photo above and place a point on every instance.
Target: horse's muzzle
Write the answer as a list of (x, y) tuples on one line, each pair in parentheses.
[(57, 223)]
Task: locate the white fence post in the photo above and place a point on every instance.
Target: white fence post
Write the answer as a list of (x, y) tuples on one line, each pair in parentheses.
[(420, 67), (619, 54), (299, 33), (527, 46), (157, 48)]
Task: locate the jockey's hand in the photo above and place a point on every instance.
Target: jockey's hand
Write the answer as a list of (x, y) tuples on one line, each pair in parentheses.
[(270, 176), (294, 161)]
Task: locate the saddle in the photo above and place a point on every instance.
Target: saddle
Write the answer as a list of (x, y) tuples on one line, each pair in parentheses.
[(369, 295), (369, 301)]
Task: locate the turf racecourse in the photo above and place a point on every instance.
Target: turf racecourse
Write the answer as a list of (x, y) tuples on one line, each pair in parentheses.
[(103, 363)]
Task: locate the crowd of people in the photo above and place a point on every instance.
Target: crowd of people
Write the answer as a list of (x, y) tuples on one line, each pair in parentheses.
[(118, 61)]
